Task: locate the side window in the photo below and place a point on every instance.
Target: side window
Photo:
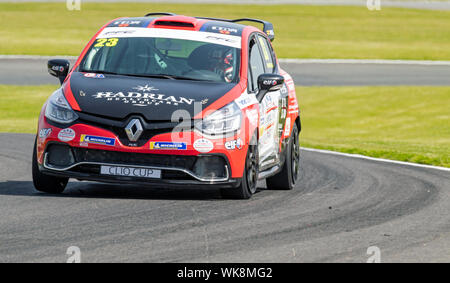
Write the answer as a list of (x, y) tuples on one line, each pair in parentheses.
[(267, 53), (256, 67)]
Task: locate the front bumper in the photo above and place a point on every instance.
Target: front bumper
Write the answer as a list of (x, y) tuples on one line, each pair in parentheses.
[(179, 167), (231, 183), (84, 164)]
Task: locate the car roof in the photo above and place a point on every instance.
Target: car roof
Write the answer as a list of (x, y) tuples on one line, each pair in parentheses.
[(172, 21)]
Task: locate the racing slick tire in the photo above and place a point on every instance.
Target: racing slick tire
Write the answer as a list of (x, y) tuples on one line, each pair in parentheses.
[(288, 176), (45, 183), (249, 181)]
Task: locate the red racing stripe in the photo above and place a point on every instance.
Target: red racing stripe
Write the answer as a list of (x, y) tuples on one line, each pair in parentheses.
[(69, 96)]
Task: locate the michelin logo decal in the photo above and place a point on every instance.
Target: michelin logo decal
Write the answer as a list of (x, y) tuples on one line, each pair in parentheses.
[(168, 145), (97, 140)]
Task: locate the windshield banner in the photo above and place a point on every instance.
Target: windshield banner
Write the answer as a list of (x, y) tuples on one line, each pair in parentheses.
[(209, 37)]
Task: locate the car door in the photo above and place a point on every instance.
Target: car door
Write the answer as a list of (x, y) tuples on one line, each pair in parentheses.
[(282, 95), (272, 115)]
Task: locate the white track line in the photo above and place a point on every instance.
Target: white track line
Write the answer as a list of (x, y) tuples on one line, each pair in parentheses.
[(366, 61), (285, 60), (376, 159)]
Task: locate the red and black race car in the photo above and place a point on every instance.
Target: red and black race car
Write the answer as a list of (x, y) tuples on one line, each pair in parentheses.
[(172, 100)]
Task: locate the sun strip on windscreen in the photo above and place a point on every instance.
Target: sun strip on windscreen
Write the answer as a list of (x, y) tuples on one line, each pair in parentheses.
[(208, 37)]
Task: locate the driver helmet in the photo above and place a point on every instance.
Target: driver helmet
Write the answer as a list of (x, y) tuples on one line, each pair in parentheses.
[(224, 63)]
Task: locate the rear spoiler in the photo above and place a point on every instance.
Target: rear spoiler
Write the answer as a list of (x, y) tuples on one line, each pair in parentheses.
[(160, 14), (267, 26)]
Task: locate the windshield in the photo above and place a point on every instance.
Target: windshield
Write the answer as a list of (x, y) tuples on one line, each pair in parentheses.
[(163, 57)]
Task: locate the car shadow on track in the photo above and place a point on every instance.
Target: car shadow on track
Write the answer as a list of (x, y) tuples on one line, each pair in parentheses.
[(111, 191)]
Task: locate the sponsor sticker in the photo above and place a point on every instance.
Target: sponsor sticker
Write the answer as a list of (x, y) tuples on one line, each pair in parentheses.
[(221, 40), (284, 89), (127, 23), (168, 145), (234, 144), (58, 68), (246, 100), (143, 95), (66, 135), (116, 32), (95, 76), (86, 139), (44, 133), (203, 145), (270, 82), (224, 30), (287, 129), (253, 116)]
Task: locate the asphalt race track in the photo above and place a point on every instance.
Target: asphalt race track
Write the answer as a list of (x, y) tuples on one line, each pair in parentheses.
[(341, 207), (344, 74), (34, 72)]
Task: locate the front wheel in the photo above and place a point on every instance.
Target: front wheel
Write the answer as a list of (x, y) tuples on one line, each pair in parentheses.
[(250, 177), (287, 178), (45, 183)]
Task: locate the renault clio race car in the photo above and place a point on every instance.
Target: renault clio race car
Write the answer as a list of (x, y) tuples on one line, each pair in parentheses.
[(172, 100)]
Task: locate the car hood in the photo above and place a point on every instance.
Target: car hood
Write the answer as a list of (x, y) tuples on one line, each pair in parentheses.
[(155, 99)]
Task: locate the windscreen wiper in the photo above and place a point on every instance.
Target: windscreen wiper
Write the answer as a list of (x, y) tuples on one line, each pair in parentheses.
[(158, 76), (100, 72), (129, 75), (187, 78), (164, 76)]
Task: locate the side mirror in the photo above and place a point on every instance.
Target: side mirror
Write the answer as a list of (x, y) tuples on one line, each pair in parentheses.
[(58, 68), (268, 83)]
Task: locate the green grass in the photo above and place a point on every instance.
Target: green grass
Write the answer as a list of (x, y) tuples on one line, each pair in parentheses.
[(20, 107), (301, 31), (402, 123)]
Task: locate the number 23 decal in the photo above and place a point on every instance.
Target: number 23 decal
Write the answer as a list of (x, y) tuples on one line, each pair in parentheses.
[(108, 42)]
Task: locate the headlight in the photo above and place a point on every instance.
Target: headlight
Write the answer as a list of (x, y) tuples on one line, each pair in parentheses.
[(58, 109), (223, 121)]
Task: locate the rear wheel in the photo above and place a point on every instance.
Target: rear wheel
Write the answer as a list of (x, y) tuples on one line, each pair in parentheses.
[(250, 177), (45, 183), (287, 178)]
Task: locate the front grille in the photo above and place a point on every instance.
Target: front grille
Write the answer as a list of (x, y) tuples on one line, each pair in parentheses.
[(151, 128), (143, 139), (129, 158)]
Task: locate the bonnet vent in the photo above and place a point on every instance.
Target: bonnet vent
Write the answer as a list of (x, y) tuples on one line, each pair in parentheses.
[(174, 24)]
